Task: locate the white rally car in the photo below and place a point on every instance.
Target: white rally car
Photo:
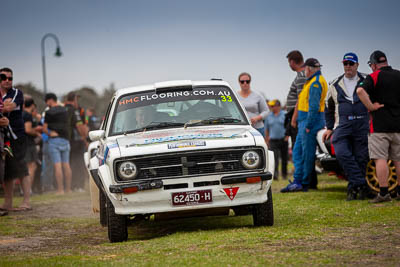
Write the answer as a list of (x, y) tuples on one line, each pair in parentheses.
[(178, 149)]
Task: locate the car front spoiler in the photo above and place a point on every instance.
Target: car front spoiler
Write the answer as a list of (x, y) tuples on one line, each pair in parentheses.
[(158, 183)]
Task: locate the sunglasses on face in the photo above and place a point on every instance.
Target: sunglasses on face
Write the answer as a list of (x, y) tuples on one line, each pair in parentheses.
[(350, 63), (244, 81), (4, 77)]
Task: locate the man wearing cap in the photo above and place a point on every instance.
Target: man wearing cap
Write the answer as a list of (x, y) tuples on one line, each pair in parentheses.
[(350, 138), (381, 95), (296, 63), (275, 136), (310, 120)]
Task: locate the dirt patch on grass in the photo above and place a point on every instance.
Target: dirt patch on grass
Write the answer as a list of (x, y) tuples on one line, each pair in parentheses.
[(75, 224), (69, 227)]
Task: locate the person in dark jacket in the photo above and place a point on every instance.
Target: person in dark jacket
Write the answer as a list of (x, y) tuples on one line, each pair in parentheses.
[(350, 138)]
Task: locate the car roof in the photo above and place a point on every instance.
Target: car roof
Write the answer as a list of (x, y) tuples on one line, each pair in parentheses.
[(166, 84)]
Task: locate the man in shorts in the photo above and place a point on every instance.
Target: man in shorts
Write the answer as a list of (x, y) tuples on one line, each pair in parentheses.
[(381, 95), (56, 127), (15, 165)]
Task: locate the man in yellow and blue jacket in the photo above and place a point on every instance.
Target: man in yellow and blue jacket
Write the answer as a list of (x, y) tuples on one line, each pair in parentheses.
[(311, 119)]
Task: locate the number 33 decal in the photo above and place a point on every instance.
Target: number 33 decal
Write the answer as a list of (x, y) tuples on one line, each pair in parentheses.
[(226, 98)]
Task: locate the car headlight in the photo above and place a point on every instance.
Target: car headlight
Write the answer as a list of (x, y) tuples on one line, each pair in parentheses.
[(127, 170), (251, 159)]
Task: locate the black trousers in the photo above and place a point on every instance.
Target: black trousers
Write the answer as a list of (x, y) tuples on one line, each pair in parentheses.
[(79, 173), (280, 149)]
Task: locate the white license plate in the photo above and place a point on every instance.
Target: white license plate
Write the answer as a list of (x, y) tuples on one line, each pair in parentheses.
[(191, 198)]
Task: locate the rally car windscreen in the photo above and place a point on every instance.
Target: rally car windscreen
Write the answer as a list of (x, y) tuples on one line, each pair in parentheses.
[(176, 108)]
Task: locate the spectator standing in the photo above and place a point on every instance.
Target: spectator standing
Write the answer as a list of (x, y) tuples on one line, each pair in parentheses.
[(381, 95), (47, 171), (56, 127), (3, 124), (32, 131), (253, 102), (296, 63), (350, 138), (77, 135), (15, 166), (93, 121), (311, 106), (275, 136)]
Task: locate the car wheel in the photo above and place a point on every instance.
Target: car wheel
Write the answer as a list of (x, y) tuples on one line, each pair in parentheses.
[(117, 224), (103, 209), (263, 214), (372, 180)]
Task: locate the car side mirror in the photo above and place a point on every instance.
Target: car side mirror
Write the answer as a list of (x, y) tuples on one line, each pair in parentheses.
[(96, 135)]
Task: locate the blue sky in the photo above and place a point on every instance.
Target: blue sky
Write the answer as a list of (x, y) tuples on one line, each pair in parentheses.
[(138, 42)]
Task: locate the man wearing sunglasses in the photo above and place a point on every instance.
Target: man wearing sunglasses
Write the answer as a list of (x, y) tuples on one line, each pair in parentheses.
[(15, 166), (381, 95), (350, 138)]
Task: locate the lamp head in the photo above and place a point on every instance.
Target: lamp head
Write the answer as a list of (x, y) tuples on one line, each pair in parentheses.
[(58, 52)]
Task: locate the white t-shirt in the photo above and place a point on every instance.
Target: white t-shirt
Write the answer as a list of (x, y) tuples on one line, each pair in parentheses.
[(350, 84)]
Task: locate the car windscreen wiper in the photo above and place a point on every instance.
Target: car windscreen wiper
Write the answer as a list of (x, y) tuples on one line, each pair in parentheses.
[(159, 125), (213, 120)]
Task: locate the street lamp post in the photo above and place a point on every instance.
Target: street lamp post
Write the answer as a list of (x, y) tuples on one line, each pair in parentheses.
[(57, 54)]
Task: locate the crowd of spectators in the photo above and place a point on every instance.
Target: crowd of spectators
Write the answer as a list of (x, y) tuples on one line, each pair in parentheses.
[(359, 111), (38, 150)]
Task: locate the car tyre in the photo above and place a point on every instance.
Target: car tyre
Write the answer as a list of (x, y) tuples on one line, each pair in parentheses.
[(117, 224), (103, 208), (263, 214)]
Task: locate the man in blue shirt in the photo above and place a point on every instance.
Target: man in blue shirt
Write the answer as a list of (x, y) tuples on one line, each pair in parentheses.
[(275, 136)]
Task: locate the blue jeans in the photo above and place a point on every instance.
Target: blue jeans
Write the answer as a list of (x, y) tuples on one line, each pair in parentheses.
[(59, 149), (46, 175)]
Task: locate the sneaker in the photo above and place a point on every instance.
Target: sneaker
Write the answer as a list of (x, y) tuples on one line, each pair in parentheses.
[(292, 187), (379, 198)]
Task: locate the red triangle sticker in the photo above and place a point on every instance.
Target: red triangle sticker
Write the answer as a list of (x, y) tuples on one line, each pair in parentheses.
[(231, 192)]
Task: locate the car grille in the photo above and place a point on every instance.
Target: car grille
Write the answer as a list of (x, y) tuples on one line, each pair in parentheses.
[(195, 163)]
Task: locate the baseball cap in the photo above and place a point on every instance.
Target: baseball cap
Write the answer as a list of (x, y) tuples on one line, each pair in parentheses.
[(350, 57), (312, 62), (271, 103), (377, 57)]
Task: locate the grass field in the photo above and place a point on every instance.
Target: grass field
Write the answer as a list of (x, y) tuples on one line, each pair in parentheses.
[(314, 228)]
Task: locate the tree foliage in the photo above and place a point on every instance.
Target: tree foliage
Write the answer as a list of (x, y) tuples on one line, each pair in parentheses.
[(89, 98)]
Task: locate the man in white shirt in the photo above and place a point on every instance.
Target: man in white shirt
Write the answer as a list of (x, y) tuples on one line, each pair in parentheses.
[(348, 115)]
